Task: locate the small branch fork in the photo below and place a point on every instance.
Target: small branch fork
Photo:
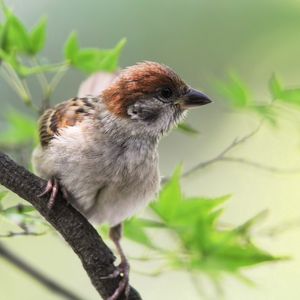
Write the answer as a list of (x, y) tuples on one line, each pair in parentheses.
[(97, 259), (224, 157)]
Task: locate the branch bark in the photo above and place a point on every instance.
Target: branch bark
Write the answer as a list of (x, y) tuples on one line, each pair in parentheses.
[(97, 259)]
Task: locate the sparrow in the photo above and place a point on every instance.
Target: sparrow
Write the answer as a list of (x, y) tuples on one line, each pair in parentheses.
[(102, 151)]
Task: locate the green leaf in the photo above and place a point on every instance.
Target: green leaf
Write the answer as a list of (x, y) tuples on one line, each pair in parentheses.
[(71, 47), (38, 36), (286, 95), (186, 128), (91, 60), (22, 129), (135, 231), (87, 60), (110, 60), (290, 96), (169, 198), (275, 87), (204, 245), (235, 91), (267, 112), (15, 36)]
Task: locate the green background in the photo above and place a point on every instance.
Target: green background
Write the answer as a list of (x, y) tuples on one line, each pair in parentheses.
[(202, 41)]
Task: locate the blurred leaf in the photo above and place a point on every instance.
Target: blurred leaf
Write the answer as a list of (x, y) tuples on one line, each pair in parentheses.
[(15, 36), (169, 198), (21, 129), (186, 128), (288, 96), (240, 97), (206, 247), (235, 91), (11, 59), (19, 209), (91, 60), (135, 231), (72, 47), (267, 112), (38, 36), (110, 60), (87, 60), (21, 216), (275, 87)]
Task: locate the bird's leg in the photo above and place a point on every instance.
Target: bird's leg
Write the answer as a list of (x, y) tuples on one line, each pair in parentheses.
[(122, 270), (53, 187)]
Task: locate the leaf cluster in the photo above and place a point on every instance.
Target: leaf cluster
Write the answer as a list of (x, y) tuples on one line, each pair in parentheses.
[(239, 95), (203, 244), (20, 57)]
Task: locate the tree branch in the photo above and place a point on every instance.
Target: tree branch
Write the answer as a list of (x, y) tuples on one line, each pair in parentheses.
[(97, 259)]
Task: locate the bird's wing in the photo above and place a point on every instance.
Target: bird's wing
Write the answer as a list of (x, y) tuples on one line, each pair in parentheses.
[(69, 113)]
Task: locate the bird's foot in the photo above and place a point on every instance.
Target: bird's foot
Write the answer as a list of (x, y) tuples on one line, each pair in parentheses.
[(53, 187), (122, 270)]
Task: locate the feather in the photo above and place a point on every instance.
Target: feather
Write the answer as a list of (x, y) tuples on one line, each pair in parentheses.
[(69, 113)]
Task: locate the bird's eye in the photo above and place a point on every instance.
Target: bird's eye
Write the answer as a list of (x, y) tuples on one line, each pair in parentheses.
[(166, 93)]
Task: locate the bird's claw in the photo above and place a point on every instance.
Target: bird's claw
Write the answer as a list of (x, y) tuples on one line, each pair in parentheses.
[(52, 187), (122, 270)]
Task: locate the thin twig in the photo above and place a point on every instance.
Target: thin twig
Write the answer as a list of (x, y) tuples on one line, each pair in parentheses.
[(22, 89), (223, 157), (22, 233), (281, 228), (260, 165), (40, 75), (51, 86), (58, 77), (18, 85), (37, 275), (12, 83), (236, 142)]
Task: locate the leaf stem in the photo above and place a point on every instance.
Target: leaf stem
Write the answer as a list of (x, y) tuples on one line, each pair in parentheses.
[(21, 86)]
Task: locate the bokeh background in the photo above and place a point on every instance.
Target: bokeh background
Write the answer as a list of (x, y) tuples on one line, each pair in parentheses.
[(203, 41)]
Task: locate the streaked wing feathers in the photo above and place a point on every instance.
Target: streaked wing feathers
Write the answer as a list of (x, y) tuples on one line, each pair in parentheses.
[(68, 113)]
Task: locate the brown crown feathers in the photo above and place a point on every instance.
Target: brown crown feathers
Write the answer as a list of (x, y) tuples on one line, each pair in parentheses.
[(142, 79)]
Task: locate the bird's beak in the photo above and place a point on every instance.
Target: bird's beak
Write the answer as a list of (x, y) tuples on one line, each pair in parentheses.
[(193, 98)]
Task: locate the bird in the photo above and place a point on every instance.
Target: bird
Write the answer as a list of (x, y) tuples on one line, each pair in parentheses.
[(101, 151)]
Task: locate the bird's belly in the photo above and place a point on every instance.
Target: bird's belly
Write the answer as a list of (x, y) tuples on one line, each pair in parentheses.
[(111, 196), (121, 200)]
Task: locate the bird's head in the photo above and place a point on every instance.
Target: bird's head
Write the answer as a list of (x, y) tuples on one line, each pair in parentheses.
[(152, 96)]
